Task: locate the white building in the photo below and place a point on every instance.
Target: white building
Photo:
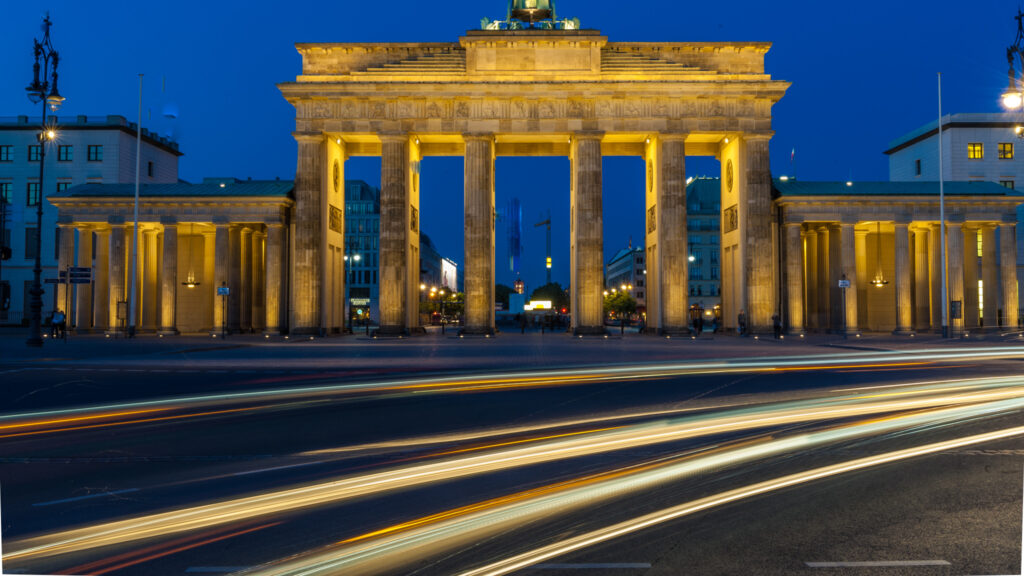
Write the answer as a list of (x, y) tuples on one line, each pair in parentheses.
[(88, 150), (975, 148)]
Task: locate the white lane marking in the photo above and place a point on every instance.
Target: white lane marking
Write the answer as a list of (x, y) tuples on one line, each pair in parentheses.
[(87, 497), (878, 564), (606, 566), (260, 471)]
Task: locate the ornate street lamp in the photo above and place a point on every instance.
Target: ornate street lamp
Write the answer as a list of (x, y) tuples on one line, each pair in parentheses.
[(1013, 98), (43, 89)]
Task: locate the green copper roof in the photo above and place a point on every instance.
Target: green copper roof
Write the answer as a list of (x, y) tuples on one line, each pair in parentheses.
[(793, 188), (209, 188)]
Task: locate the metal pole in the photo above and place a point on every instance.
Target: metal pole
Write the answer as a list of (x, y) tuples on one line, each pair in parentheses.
[(135, 229), (35, 334), (942, 227)]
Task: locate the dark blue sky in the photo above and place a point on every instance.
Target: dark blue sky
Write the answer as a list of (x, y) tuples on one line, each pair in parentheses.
[(863, 73)]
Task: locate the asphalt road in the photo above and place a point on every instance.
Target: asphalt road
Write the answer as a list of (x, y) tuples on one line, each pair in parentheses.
[(398, 439)]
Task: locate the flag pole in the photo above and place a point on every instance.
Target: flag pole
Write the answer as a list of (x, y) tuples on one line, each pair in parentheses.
[(135, 228)]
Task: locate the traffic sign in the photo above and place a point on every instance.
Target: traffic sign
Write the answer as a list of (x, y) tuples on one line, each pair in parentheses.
[(80, 280), (844, 283), (223, 290), (80, 270), (53, 281)]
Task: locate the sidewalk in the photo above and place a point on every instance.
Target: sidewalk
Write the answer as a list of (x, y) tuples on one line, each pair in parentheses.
[(446, 352)]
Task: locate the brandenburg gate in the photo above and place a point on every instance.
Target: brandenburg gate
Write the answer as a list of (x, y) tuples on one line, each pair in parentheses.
[(517, 91)]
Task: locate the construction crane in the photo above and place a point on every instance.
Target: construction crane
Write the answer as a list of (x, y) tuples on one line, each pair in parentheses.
[(548, 224)]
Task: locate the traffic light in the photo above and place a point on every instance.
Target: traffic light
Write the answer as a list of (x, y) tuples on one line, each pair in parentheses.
[(5, 252)]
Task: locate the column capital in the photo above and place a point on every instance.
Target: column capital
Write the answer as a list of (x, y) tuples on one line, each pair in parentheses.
[(848, 221), (588, 135), (987, 226), (672, 136), (478, 136), (789, 220), (169, 220), (755, 136), (1010, 218), (273, 223), (954, 224), (116, 221), (861, 233), (901, 224), (394, 137), (309, 137)]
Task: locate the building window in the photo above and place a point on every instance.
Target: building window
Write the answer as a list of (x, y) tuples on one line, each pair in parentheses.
[(95, 153), (917, 167), (62, 186), (32, 194), (5, 153), (639, 294), (1007, 184), (31, 235), (715, 273), (34, 152), (975, 151), (149, 169), (65, 153), (1006, 150), (5, 192)]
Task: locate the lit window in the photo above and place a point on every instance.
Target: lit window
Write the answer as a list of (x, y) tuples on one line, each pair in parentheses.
[(62, 186), (1006, 150), (1007, 184), (65, 153), (975, 151)]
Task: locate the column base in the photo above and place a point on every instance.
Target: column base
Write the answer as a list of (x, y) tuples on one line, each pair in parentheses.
[(477, 331), (167, 332), (674, 331), (904, 332), (589, 331), (307, 331)]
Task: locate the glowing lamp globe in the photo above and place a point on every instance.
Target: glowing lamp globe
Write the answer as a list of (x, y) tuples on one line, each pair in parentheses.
[(1012, 100), (531, 11)]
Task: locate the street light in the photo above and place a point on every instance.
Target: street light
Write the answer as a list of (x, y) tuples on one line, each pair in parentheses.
[(348, 299), (43, 91), (1013, 98)]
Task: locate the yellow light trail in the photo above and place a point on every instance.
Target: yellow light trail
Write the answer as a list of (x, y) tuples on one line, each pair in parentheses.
[(498, 459)]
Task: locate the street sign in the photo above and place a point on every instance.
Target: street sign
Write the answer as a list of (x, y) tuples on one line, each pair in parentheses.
[(223, 290), (359, 301), (54, 281), (80, 270), (844, 283), (80, 280)]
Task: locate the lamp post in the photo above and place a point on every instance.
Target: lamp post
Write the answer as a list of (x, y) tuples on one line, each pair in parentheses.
[(42, 91), (348, 299)]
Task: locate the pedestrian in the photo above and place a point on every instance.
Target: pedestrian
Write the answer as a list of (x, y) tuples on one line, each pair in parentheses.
[(742, 323), (57, 324), (700, 324), (777, 326)]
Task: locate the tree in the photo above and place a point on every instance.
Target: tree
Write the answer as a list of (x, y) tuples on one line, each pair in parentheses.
[(619, 302), (554, 293), (501, 293)]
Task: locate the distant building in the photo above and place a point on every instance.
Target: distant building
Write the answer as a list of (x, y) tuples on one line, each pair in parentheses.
[(975, 148), (88, 150), (628, 268), (362, 233), (704, 224)]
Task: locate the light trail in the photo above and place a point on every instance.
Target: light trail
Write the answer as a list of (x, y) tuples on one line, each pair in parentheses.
[(502, 458), (389, 548), (521, 379), (527, 559)]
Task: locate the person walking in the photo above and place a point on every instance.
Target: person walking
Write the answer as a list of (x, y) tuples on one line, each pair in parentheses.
[(741, 321), (57, 324), (777, 326)]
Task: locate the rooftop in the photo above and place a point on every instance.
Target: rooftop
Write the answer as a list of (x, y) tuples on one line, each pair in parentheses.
[(789, 188), (209, 188), (90, 123), (994, 120)]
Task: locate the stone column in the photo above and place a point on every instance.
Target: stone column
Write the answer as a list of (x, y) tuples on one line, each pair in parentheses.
[(673, 254), (148, 287), (761, 303), (479, 207), (274, 278), (257, 312), (235, 278), (1008, 271), (83, 292), (955, 235), (922, 305), (309, 235), (825, 279), (935, 269), (221, 277), (971, 277), (65, 260), (245, 280), (587, 237), (116, 277), (989, 277), (794, 277), (861, 247), (394, 234), (836, 272), (169, 279), (101, 277), (849, 270), (904, 301), (811, 280)]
